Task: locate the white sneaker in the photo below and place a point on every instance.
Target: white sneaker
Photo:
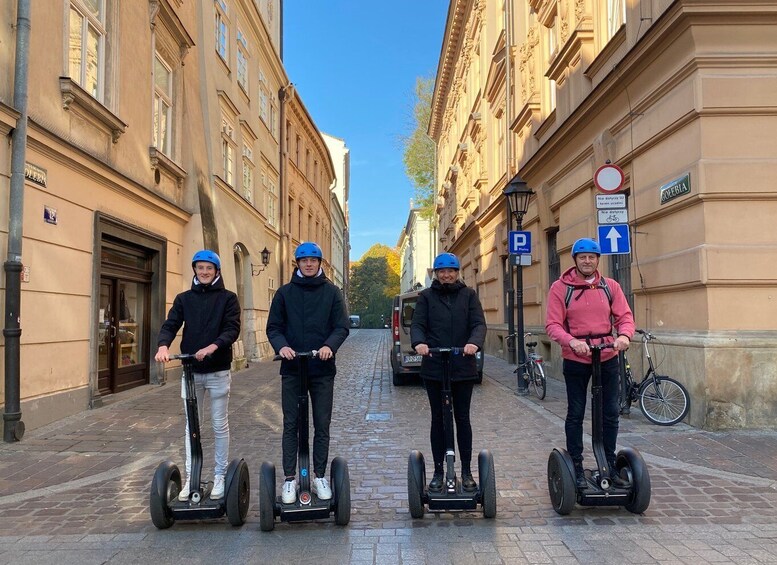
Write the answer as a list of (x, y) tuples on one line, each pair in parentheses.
[(289, 493), (183, 496), (218, 488), (321, 488)]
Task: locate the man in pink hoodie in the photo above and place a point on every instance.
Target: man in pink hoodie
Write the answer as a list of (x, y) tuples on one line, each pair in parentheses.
[(583, 306)]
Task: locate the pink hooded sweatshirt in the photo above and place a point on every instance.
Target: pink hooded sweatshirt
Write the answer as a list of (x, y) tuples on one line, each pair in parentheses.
[(588, 313)]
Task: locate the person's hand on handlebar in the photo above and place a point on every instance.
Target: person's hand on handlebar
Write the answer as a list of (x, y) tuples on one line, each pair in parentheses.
[(422, 349), (206, 351), (470, 349), (162, 354), (580, 347), (325, 353), (621, 343), (287, 353)]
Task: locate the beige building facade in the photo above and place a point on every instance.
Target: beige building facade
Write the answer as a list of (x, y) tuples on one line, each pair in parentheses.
[(146, 142), (680, 94)]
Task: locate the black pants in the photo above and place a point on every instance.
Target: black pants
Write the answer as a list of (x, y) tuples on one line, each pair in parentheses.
[(321, 392), (577, 375), (462, 398)]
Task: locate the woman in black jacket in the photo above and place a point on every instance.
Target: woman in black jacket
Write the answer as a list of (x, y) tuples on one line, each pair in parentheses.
[(449, 314)]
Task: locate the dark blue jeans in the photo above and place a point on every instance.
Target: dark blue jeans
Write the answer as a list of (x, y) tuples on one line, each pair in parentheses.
[(321, 392), (577, 375)]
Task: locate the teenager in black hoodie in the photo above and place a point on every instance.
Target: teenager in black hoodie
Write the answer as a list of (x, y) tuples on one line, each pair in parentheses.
[(307, 314), (449, 314), (210, 316)]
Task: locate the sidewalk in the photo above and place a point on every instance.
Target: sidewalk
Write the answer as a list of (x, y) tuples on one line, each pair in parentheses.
[(750, 453)]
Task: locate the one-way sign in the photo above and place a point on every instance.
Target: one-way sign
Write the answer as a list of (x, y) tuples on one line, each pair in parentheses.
[(614, 240)]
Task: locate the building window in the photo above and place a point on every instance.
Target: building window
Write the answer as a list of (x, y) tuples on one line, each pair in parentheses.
[(248, 173), (315, 175), (616, 16), (274, 116), (299, 148), (86, 45), (288, 138), (272, 203), (163, 105), (554, 261), (263, 100), (307, 164), (222, 30), (242, 61), (228, 150)]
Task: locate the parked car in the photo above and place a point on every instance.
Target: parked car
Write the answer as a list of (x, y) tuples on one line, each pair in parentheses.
[(355, 321), (405, 362)]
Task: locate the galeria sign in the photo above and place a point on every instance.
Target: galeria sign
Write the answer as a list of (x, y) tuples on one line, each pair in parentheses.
[(675, 188)]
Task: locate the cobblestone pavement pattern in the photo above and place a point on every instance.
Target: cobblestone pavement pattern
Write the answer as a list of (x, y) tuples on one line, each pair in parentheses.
[(77, 491)]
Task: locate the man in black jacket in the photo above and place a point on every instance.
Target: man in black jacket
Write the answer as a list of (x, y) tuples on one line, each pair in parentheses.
[(449, 314), (210, 316), (307, 314)]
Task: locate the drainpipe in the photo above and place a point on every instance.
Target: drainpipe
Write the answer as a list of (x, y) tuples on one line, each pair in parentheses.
[(283, 95), (13, 427)]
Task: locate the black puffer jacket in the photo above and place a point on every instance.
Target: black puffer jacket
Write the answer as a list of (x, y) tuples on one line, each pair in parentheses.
[(307, 314), (209, 314), (448, 315)]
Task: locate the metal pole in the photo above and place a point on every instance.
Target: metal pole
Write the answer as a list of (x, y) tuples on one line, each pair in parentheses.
[(13, 427), (510, 295), (523, 386)]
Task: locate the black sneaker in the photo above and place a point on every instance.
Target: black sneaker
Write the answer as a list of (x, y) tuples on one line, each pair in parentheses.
[(468, 483), (436, 484), (580, 480)]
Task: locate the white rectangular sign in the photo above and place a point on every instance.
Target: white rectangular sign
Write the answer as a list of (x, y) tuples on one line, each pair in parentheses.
[(607, 201), (614, 216)]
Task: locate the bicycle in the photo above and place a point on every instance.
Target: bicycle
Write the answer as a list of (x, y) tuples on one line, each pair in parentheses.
[(533, 373), (662, 399)]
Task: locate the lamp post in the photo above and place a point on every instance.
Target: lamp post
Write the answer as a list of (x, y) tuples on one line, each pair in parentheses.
[(256, 269), (517, 194)]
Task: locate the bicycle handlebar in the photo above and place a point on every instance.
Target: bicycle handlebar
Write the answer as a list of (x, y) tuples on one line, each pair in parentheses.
[(645, 334), (313, 353)]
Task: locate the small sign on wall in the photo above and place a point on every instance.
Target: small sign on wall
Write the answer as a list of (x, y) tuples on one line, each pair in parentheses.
[(50, 215), (675, 188)]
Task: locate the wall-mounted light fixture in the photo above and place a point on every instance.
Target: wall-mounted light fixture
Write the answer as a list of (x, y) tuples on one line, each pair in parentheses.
[(256, 269)]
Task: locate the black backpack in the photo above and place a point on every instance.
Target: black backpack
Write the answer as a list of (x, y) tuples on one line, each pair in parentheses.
[(602, 285)]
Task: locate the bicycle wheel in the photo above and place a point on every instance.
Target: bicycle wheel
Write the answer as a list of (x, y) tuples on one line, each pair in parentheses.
[(537, 380), (663, 400)]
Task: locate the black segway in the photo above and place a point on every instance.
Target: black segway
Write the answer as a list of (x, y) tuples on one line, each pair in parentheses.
[(600, 490), (452, 496), (307, 506), (164, 504)]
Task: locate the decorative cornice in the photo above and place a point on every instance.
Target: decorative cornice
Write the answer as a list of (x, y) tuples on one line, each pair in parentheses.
[(73, 96)]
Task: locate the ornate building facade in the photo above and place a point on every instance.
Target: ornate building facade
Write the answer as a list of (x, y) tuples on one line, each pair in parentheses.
[(680, 95)]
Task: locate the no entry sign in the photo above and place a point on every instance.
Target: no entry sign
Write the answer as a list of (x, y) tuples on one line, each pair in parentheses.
[(609, 178)]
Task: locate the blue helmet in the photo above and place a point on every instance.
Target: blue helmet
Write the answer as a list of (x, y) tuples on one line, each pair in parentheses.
[(207, 255), (585, 245), (308, 249), (446, 261)]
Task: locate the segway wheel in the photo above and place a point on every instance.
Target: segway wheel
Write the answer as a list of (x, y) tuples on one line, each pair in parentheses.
[(630, 461), (561, 483), (416, 481), (342, 494), (165, 487), (267, 497), (487, 478), (239, 494)]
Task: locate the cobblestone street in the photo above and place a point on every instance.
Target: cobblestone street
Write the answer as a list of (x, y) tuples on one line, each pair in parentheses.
[(77, 491)]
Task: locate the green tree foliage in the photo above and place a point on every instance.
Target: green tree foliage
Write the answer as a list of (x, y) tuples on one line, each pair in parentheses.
[(419, 150), (374, 282)]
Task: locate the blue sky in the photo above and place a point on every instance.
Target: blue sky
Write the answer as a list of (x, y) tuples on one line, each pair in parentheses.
[(355, 63)]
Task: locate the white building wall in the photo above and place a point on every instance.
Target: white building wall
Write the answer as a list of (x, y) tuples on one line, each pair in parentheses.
[(340, 245)]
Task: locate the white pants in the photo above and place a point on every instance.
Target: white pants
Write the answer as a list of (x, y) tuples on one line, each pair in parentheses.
[(217, 386)]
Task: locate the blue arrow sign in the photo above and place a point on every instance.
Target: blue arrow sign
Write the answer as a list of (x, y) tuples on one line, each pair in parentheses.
[(519, 242), (614, 239)]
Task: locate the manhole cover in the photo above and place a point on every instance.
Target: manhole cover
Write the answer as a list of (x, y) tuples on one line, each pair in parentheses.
[(379, 416)]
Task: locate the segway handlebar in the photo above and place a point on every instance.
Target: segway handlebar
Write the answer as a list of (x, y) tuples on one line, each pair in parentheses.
[(313, 353), (451, 350), (601, 345), (183, 357)]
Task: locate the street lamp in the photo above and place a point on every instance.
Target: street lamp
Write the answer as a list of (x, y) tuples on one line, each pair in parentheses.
[(256, 269), (517, 195)]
